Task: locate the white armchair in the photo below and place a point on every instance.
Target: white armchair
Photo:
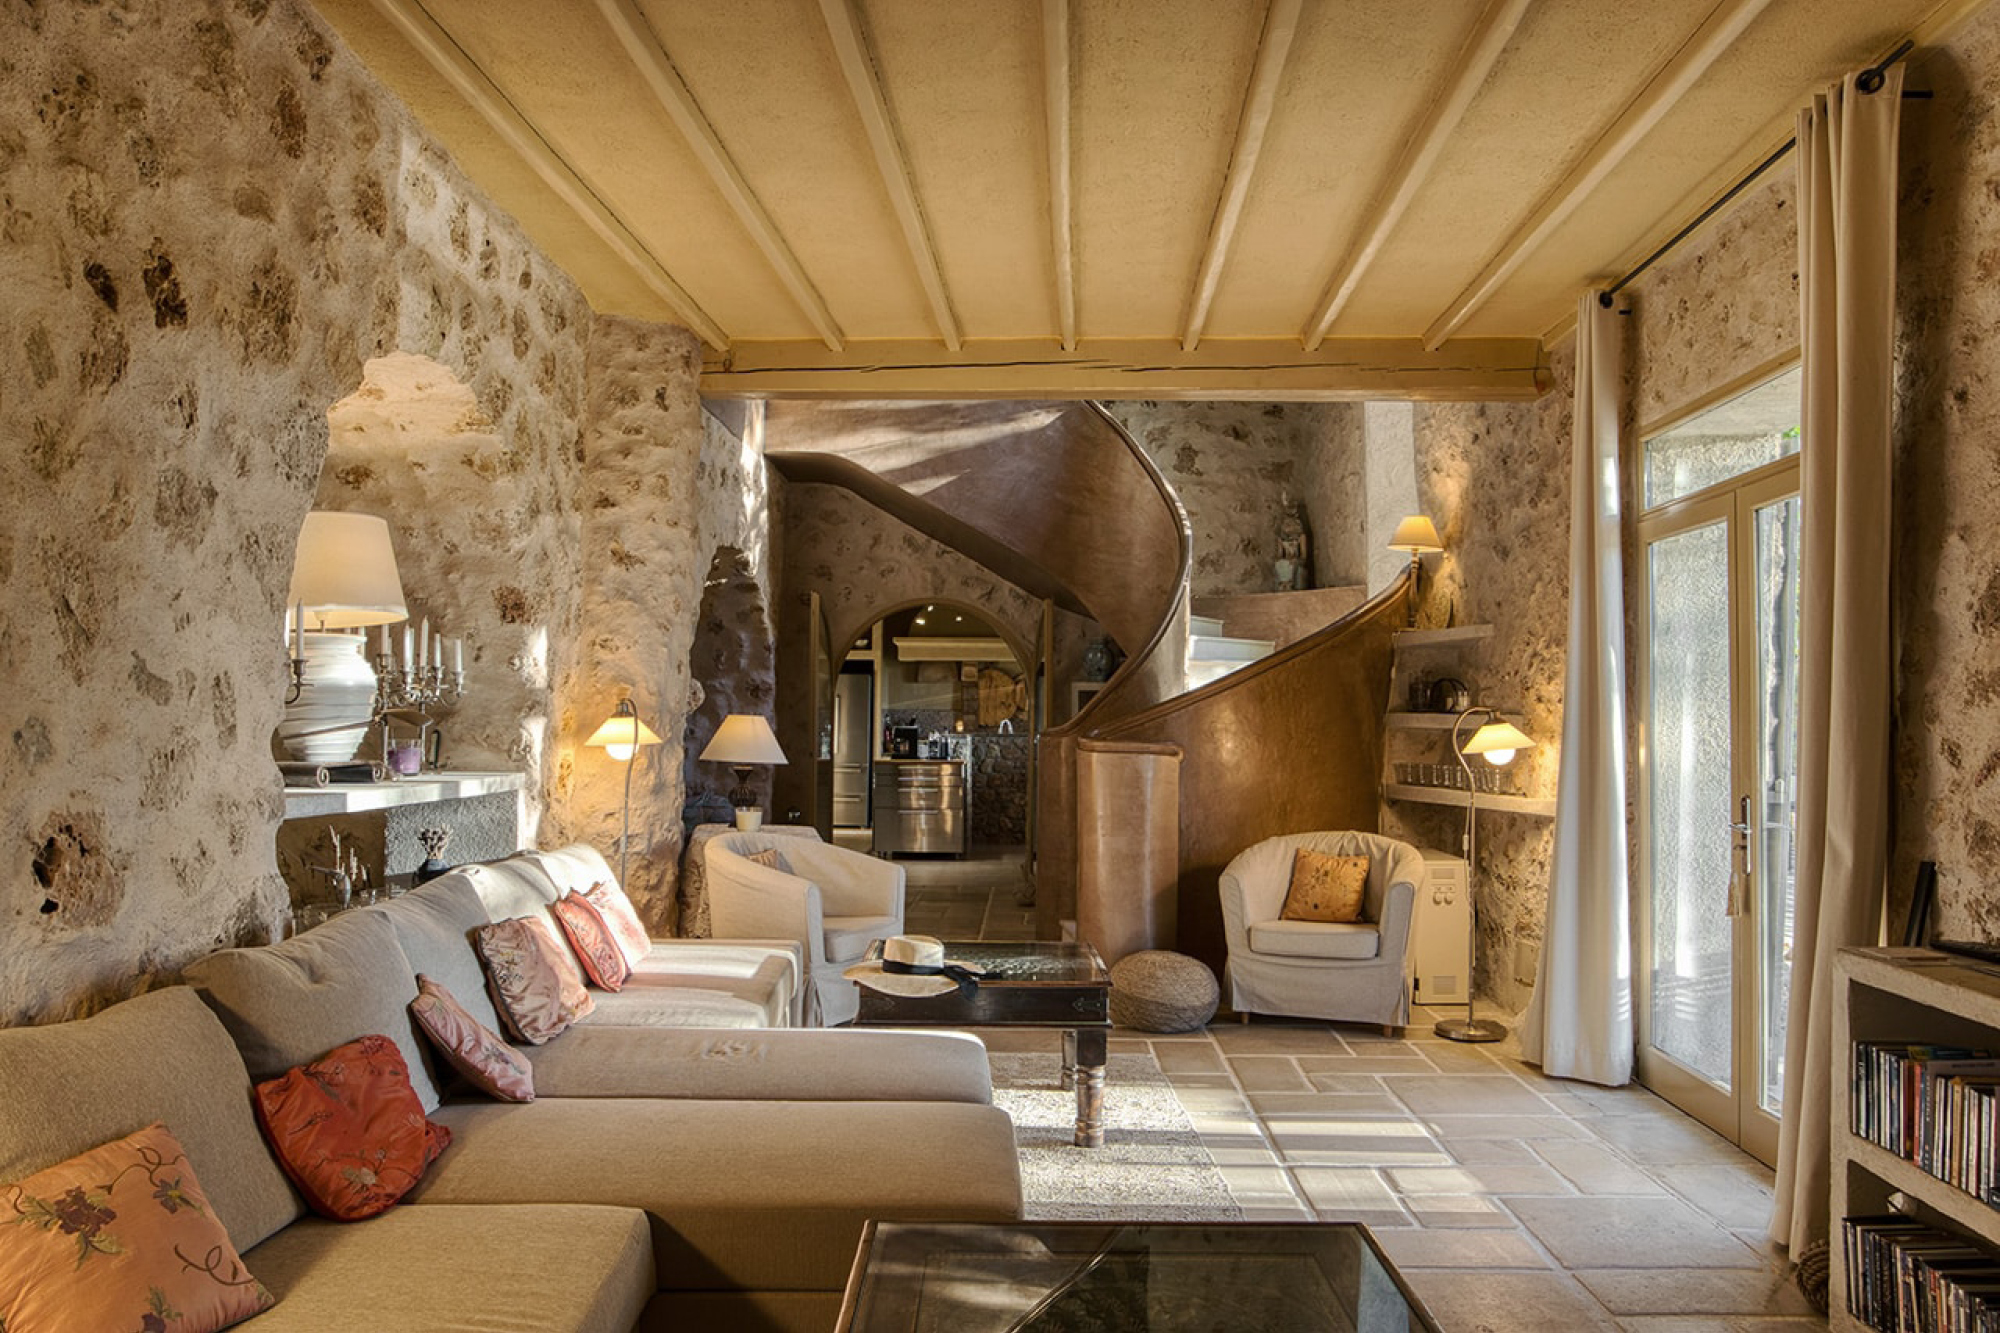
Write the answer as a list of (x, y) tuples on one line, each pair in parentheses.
[(834, 903), (1308, 969)]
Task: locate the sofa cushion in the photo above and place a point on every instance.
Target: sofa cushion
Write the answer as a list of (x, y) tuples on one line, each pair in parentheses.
[(571, 869), (479, 1054), (348, 1130), (522, 978), (763, 975), (848, 937), (747, 1194), (561, 1268), (513, 886), (97, 1242), (162, 1056), (434, 924), (774, 1064), (1315, 939), (294, 1001), (654, 1003), (591, 940)]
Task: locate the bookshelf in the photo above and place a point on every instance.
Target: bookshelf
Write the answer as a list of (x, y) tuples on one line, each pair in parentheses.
[(1901, 995)]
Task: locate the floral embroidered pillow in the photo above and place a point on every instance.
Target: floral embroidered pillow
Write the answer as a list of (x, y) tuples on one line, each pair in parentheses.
[(1325, 888), (569, 972), (591, 938), (349, 1130), (473, 1049), (618, 913), (120, 1237), (526, 988)]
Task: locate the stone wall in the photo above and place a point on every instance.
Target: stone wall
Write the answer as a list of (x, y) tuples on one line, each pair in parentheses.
[(214, 218)]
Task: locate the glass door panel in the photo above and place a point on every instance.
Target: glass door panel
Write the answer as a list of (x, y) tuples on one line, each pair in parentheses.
[(1776, 720), (1689, 781)]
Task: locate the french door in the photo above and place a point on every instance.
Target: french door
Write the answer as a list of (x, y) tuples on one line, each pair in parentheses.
[(1718, 752)]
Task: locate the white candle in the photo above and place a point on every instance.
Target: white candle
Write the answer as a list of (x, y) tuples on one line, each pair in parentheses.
[(437, 652), (424, 642), (299, 631), (458, 656), (382, 642), (409, 649)]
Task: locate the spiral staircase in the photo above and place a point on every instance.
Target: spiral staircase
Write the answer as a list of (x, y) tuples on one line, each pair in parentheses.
[(1200, 744)]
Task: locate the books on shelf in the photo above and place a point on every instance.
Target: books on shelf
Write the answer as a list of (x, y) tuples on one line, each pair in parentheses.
[(1904, 1274), (1935, 1106)]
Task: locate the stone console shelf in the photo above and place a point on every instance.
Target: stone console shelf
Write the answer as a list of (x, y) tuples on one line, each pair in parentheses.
[(346, 798), (381, 821)]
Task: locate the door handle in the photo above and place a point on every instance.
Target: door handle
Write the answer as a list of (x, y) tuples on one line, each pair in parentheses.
[(1739, 877)]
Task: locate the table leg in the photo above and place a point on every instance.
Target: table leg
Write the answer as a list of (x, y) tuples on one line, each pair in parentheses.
[(1087, 1047), (1069, 1059)]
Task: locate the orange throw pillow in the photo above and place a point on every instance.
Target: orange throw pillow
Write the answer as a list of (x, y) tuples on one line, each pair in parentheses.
[(618, 913), (349, 1130), (591, 938), (1325, 888), (120, 1237)]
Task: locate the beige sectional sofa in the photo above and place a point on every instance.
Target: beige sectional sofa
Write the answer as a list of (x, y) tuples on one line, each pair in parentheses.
[(667, 1176)]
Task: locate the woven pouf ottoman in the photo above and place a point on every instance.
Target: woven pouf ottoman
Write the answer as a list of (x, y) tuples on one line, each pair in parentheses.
[(1159, 991)]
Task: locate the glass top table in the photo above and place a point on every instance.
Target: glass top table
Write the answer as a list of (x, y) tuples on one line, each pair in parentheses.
[(1026, 983), (1073, 1277)]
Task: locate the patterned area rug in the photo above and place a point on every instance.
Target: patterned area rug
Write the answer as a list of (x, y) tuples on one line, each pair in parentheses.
[(1152, 1166)]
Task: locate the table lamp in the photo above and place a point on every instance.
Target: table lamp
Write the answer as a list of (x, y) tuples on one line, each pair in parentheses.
[(620, 736), (1497, 742), (745, 742), (344, 577), (1419, 536)]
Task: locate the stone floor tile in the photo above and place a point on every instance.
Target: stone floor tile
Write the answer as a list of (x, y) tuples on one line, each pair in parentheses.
[(1534, 1127), (1343, 1082), (1355, 1142), (1451, 1057), (1493, 1179), (1464, 1094), (1186, 1057), (1350, 1194), (1666, 1140), (1442, 1212), (1484, 1302), (1595, 1169), (1368, 1042), (1366, 1064), (1376, 1102), (1492, 1152), (1737, 1194), (1268, 1073), (1275, 1039), (1721, 1291), (1659, 1232), (1201, 1081), (1462, 1249), (1128, 1046)]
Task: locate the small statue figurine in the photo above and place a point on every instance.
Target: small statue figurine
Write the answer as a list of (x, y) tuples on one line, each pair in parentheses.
[(1293, 567)]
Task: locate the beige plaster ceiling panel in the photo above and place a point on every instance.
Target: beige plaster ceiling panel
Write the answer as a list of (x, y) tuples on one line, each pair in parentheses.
[(765, 75), (1361, 77), (966, 92), (1158, 86)]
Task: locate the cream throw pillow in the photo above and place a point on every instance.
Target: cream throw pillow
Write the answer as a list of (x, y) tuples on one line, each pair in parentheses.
[(1325, 888)]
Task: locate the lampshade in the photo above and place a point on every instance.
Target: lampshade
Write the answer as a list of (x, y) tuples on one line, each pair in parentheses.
[(1499, 741), (345, 574), (744, 738), (623, 733), (1417, 535)]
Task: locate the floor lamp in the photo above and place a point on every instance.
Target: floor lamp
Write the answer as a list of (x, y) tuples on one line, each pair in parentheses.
[(1496, 741), (620, 737)]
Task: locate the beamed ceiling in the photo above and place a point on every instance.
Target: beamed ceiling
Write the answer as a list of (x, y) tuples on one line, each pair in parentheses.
[(1114, 198)]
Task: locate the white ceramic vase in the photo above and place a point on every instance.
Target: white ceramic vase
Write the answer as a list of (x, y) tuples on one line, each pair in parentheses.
[(339, 688)]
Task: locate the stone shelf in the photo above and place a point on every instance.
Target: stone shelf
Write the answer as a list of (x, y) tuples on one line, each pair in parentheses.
[(346, 798), (1442, 638), (1515, 805)]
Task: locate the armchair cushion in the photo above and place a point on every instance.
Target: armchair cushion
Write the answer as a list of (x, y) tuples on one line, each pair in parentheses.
[(1324, 887), (771, 859), (848, 937), (1315, 939)]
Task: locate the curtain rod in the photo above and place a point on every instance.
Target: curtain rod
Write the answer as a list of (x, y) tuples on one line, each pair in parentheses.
[(1870, 80)]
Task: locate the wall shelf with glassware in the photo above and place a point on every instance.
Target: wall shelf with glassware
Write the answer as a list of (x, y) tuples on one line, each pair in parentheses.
[(1515, 805), (1423, 654)]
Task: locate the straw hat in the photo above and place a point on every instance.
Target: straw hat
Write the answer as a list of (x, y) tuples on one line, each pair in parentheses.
[(915, 965)]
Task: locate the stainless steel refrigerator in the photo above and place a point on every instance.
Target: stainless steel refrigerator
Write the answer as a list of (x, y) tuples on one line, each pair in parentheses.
[(853, 745)]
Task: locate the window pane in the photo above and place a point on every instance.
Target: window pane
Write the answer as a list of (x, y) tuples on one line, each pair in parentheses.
[(1754, 428), (1777, 705)]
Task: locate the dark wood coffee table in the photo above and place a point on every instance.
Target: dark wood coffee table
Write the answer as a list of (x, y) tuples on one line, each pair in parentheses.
[(1053, 1277), (1028, 984)]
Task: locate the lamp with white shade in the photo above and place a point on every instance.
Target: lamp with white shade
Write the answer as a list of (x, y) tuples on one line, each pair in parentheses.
[(1497, 742), (621, 736), (1418, 536), (344, 577), (746, 743)]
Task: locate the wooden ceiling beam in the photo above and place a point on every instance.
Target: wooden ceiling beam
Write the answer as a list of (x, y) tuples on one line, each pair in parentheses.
[(1268, 369), (1274, 48), (643, 47), (1062, 224), (857, 65), (1724, 24), (1488, 38), (457, 69)]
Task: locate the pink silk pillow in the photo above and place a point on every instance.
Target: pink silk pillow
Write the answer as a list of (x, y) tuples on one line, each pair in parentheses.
[(569, 972), (472, 1048), (526, 988), (120, 1237), (618, 913), (349, 1130), (591, 937)]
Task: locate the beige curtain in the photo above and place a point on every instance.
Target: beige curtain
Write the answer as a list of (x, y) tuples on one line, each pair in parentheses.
[(1847, 269), (1579, 1024)]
